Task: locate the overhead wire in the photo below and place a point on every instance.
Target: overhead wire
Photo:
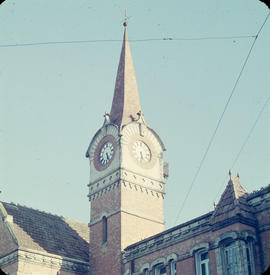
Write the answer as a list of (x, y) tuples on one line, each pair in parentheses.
[(219, 121), (245, 142), (118, 40)]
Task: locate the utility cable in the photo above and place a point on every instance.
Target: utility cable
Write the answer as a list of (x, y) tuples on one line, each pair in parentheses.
[(219, 121), (245, 142), (118, 40)]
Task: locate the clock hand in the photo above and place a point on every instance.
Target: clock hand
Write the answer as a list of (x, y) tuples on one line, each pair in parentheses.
[(141, 155), (107, 155)]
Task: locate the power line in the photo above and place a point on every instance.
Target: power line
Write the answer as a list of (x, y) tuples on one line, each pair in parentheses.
[(245, 141), (219, 121), (118, 40)]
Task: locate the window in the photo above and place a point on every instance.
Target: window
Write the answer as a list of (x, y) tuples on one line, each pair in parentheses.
[(132, 266), (248, 261), (202, 263), (172, 265), (146, 271), (235, 253), (160, 269), (104, 229), (230, 258), (249, 257)]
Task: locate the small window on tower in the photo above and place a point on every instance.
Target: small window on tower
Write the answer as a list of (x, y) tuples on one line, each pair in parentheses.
[(104, 229)]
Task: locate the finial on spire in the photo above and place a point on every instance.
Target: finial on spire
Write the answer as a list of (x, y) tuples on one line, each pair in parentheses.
[(125, 19), (230, 174)]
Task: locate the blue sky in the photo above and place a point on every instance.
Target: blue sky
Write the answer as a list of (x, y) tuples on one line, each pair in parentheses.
[(53, 97)]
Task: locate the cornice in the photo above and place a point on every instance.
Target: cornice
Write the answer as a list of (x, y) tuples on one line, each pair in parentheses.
[(127, 179), (44, 259), (232, 220), (166, 239), (264, 227), (182, 233), (9, 258)]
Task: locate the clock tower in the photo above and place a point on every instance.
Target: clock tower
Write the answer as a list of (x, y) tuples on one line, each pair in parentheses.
[(126, 187)]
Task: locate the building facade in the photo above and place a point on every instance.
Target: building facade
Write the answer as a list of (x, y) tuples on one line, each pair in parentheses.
[(126, 192)]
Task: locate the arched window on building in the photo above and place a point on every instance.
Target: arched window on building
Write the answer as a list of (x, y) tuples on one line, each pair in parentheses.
[(230, 259), (104, 230), (250, 255), (235, 252), (160, 269), (172, 266), (202, 262), (146, 271)]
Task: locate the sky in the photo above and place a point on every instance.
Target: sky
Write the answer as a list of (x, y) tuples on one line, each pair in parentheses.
[(53, 96)]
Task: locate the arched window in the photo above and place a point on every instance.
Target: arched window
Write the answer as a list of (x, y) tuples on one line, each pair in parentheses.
[(202, 262), (160, 269), (172, 265), (146, 271), (104, 229), (231, 258)]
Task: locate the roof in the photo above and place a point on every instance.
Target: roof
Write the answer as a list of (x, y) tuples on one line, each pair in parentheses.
[(233, 202), (45, 232), (126, 103)]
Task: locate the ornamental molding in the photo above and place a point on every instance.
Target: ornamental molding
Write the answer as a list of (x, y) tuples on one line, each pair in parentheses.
[(144, 266), (182, 233), (8, 259), (108, 129), (168, 238), (264, 227), (44, 259), (234, 235), (158, 261), (199, 246), (171, 257), (127, 179), (233, 220)]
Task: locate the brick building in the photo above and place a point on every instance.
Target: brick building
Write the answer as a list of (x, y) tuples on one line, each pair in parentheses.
[(126, 192)]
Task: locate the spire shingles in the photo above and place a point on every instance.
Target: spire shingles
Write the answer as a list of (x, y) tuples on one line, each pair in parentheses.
[(126, 103)]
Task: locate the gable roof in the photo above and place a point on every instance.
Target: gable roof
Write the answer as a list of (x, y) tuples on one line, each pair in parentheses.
[(44, 232), (233, 202)]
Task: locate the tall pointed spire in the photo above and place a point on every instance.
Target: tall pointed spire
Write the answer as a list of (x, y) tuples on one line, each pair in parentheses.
[(126, 103)]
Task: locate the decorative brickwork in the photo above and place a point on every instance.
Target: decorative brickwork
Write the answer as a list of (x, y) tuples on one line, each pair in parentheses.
[(248, 240)]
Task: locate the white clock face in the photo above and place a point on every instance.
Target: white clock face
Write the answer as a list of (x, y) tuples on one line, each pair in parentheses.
[(106, 153), (141, 151)]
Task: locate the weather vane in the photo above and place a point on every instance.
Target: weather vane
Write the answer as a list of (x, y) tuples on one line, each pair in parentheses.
[(124, 12)]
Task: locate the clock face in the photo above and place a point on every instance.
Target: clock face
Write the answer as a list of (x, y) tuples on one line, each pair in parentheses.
[(106, 153), (141, 151)]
